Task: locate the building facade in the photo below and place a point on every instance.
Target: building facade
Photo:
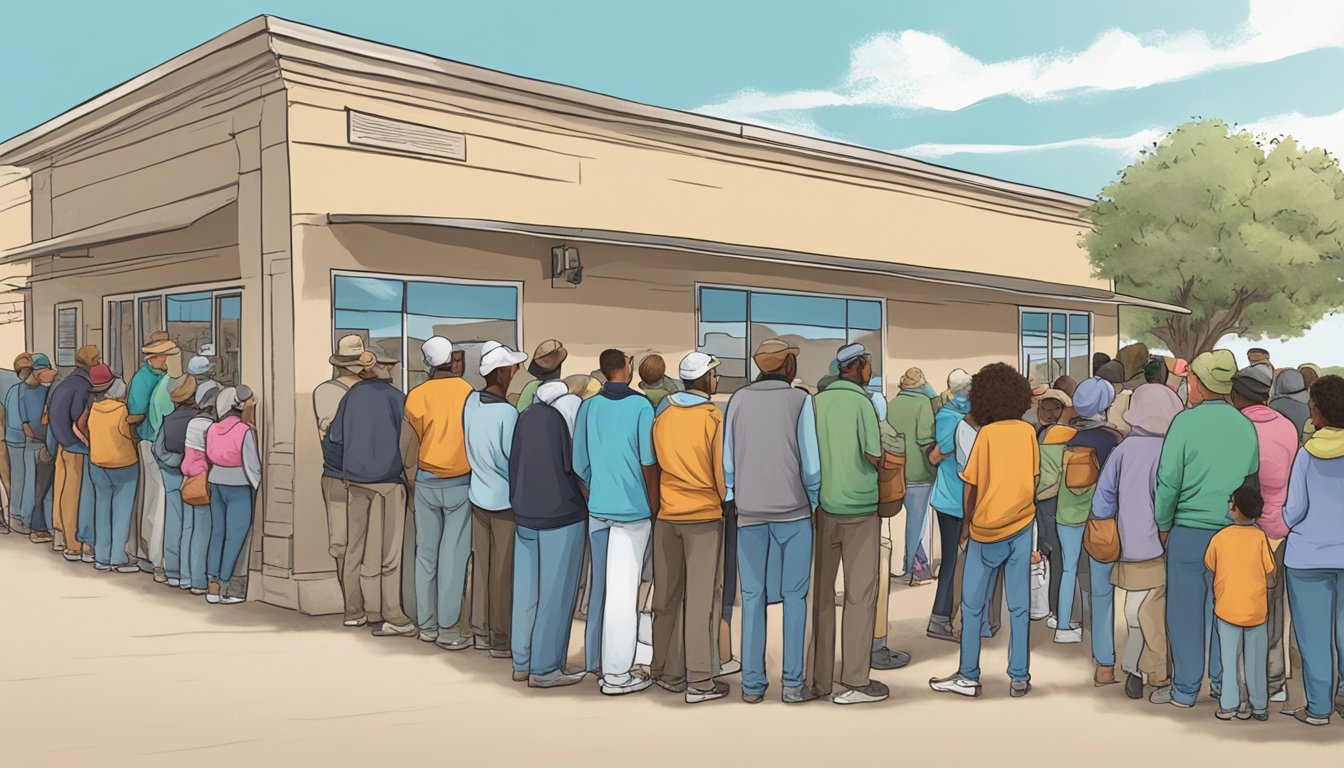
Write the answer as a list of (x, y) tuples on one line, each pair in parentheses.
[(282, 185)]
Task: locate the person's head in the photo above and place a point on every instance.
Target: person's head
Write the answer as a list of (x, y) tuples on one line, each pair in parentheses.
[(157, 350), (551, 391), (1152, 409), (101, 379), (582, 384), (959, 382), (999, 393), (1066, 385), (1133, 357), (1155, 372), (200, 366), (205, 396), (699, 373), (652, 369), (232, 400), (1327, 402), (372, 365), (1310, 373), (1114, 372), (615, 366), (854, 364), (42, 372), (499, 364), (1245, 505), (1250, 386), (1051, 407), (88, 356), (547, 359), (23, 366), (1211, 376), (776, 357), (1093, 398), (116, 390), (1099, 359), (438, 353), (913, 379), (182, 390), (1258, 356)]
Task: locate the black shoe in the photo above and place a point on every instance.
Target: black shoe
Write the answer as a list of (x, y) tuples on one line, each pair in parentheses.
[(886, 658), (941, 629), (1134, 686)]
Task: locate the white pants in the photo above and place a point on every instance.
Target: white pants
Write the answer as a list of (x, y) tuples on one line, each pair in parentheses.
[(626, 545), (153, 507)]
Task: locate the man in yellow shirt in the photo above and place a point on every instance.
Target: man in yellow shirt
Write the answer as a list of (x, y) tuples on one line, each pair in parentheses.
[(1000, 507), (688, 535), (442, 512)]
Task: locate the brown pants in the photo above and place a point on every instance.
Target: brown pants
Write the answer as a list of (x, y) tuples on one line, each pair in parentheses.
[(1145, 586), (65, 497), (390, 517), (334, 497), (853, 540), (492, 535), (687, 578)]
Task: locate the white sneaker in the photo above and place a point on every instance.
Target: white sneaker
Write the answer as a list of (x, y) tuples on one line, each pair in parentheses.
[(1280, 695), (459, 643), (128, 568), (86, 558), (729, 667), (393, 630), (428, 636), (1069, 636), (957, 684), (353, 623), (174, 582), (212, 599), (638, 681), (231, 600)]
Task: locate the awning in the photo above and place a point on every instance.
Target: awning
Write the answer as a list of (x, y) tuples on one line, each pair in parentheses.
[(1015, 285), (165, 218)]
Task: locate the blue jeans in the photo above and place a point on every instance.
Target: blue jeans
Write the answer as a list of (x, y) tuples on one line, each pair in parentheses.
[(22, 478), (176, 526), (916, 514), (195, 545), (1252, 644), (598, 534), (546, 567), (1013, 554), (1103, 613), (1071, 547), (1316, 598), (230, 520), (114, 504), (1190, 629), (442, 548), (756, 545)]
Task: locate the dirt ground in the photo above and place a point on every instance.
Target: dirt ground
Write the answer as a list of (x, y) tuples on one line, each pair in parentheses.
[(115, 670)]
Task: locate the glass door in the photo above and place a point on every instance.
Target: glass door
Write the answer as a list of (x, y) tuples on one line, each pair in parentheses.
[(229, 338)]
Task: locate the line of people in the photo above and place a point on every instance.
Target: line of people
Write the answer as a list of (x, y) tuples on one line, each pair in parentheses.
[(155, 475)]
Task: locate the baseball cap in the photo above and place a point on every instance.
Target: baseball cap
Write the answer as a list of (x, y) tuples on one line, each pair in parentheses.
[(849, 353), (495, 355), (695, 365), (41, 362), (437, 351)]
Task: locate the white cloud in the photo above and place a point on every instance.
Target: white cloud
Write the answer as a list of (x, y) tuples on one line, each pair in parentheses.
[(1324, 131), (917, 70), (1125, 145)]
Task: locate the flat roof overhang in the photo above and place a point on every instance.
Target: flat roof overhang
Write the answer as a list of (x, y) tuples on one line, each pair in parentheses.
[(1015, 285)]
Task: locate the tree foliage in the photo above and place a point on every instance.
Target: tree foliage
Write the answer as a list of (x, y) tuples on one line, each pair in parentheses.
[(1247, 234)]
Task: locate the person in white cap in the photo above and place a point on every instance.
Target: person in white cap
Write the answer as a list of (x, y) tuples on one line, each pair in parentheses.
[(442, 513), (688, 537), (326, 400), (488, 420)]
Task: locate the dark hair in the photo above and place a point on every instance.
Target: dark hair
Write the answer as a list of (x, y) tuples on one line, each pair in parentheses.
[(1155, 372), (1328, 394), (611, 361), (999, 393), (701, 384), (1248, 501), (1099, 359), (652, 369)]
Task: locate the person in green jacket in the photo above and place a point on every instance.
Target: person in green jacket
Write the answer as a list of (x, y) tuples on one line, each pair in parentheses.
[(910, 413), (1210, 451), (545, 366), (654, 381)]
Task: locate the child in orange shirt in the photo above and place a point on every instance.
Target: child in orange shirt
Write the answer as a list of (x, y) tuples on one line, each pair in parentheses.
[(1243, 570)]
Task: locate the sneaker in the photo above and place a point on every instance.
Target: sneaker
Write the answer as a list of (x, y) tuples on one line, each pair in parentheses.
[(1068, 636), (480, 644), (1105, 676), (212, 599), (1177, 703), (556, 681), (71, 556), (197, 591), (1225, 714), (388, 629), (1261, 716), (353, 623), (694, 696), (1134, 686), (40, 537), (1162, 695), (232, 600), (459, 643), (1215, 694), (102, 567), (1052, 621), (520, 676), (871, 693), (17, 526), (884, 659), (1279, 696), (752, 698), (1243, 712), (956, 683), (128, 568), (175, 582), (638, 681), (799, 695), (941, 629), (428, 636), (1302, 716), (160, 577), (670, 687), (729, 667), (185, 586), (1019, 688), (86, 558)]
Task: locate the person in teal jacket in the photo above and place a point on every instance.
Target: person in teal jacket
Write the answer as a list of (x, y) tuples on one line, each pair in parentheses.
[(946, 500), (1210, 451)]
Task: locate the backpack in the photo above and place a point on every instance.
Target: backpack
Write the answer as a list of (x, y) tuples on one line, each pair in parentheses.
[(1080, 472), (1052, 440)]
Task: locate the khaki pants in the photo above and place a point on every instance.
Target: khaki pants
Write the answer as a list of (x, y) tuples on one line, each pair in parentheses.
[(65, 497), (883, 590), (1145, 650), (687, 579), (492, 537), (390, 518), (853, 540), (334, 497)]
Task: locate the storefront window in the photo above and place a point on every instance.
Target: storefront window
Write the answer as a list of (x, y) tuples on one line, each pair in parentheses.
[(1055, 344), (733, 321), (202, 321), (395, 317)]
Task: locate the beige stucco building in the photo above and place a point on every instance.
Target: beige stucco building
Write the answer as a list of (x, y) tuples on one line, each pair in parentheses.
[(281, 185)]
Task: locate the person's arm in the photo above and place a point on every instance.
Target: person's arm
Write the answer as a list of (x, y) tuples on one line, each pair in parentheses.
[(727, 463), (506, 438), (972, 475), (251, 459), (23, 413), (1106, 501), (1299, 502), (809, 450), (647, 459), (582, 467), (924, 426), (410, 453), (870, 438), (1170, 476), (1267, 562), (717, 443), (81, 425), (1211, 557)]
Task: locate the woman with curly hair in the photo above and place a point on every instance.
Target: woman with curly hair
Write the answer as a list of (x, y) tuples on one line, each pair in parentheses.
[(1000, 507)]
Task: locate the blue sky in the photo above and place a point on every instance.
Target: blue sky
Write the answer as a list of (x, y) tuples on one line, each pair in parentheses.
[(1048, 92)]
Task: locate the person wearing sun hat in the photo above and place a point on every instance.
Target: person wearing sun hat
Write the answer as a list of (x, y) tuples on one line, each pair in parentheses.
[(141, 403), (545, 366), (488, 420), (1210, 451), (327, 397)]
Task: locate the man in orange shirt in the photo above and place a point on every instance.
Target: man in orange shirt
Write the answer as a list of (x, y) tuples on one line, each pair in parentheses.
[(442, 512), (1000, 507), (688, 535)]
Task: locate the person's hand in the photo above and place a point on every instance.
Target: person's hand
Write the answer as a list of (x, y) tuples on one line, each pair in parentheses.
[(1162, 535), (965, 537)]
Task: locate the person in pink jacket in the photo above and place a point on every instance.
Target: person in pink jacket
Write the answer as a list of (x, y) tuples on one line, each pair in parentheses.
[(1278, 447)]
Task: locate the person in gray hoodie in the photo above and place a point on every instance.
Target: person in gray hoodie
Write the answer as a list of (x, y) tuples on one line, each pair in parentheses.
[(1290, 399), (772, 470)]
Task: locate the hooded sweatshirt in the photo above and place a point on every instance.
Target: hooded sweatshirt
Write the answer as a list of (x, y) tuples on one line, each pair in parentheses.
[(947, 486), (688, 441), (543, 489), (1278, 445), (1314, 512), (1125, 491), (1290, 399)]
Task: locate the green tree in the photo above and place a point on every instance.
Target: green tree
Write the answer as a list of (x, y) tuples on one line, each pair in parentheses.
[(1248, 234)]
